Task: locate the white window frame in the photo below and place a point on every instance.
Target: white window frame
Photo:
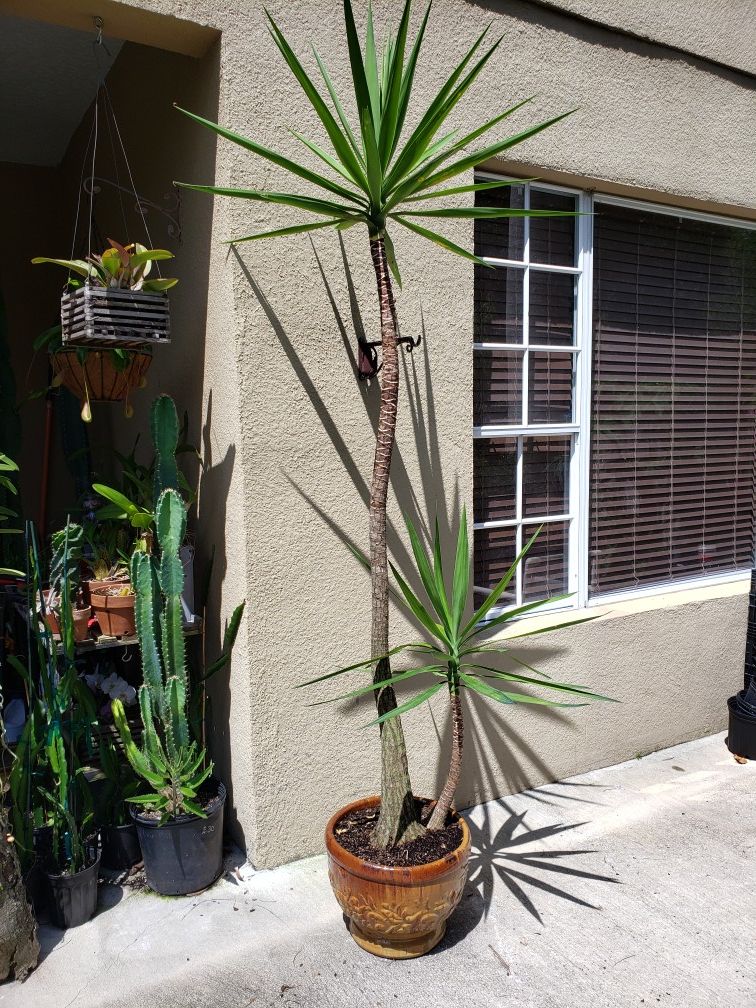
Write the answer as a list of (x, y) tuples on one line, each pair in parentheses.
[(578, 512)]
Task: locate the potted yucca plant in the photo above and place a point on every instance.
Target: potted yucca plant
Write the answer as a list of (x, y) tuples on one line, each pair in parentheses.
[(386, 181), (398, 901)]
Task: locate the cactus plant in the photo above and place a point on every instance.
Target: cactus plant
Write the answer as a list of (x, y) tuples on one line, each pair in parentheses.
[(164, 428), (172, 764)]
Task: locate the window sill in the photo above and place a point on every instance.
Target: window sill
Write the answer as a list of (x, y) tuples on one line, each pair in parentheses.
[(666, 597)]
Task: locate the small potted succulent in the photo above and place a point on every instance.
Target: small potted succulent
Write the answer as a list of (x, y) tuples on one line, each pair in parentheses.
[(179, 819), (111, 312), (66, 548), (399, 898)]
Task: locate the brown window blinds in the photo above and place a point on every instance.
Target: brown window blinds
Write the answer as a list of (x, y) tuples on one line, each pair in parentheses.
[(673, 398)]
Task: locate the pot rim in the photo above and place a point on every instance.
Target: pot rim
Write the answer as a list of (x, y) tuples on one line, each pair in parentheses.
[(732, 703), (106, 601), (391, 874), (57, 876), (182, 820)]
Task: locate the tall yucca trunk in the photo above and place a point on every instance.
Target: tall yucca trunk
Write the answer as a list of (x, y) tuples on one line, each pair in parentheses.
[(440, 812), (397, 822)]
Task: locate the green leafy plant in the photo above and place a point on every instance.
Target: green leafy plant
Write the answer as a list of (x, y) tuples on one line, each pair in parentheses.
[(125, 267), (47, 786), (121, 784), (169, 761), (148, 483), (7, 465), (386, 179), (459, 651)]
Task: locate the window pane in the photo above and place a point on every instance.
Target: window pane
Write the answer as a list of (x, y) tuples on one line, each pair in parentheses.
[(495, 479), (672, 433), (505, 238), (498, 305), (550, 387), (497, 387), (552, 239), (551, 319), (546, 475), (494, 555), (545, 568)]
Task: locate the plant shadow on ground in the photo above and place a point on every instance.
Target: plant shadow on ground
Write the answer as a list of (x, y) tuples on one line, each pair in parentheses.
[(495, 854), (512, 855)]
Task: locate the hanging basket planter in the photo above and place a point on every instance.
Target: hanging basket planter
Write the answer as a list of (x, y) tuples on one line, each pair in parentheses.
[(101, 375), (100, 316)]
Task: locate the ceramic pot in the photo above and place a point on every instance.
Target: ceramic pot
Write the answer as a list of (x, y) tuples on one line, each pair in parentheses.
[(115, 614), (396, 913)]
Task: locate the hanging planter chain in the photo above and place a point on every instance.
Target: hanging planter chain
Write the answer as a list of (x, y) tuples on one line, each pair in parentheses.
[(112, 317)]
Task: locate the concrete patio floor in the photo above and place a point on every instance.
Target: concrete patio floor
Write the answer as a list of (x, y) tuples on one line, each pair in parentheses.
[(632, 885)]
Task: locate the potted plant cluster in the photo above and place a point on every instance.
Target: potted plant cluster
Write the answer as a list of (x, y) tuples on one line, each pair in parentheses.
[(111, 314), (51, 808), (389, 180), (180, 817), (126, 523)]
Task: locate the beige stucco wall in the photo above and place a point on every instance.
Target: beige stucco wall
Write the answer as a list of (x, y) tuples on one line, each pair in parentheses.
[(277, 358)]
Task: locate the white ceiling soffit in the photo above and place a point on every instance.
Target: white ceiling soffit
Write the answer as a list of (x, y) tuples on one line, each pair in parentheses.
[(48, 78)]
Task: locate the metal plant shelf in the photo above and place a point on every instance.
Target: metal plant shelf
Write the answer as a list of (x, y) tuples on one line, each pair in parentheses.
[(102, 644)]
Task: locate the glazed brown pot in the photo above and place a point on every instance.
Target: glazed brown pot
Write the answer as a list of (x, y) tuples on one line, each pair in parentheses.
[(115, 614), (396, 913), (99, 375)]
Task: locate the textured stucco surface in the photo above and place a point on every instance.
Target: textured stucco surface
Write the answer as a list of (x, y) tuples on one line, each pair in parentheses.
[(281, 320), (715, 30)]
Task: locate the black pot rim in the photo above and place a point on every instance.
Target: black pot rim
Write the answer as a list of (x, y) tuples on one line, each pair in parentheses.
[(732, 703), (56, 876), (187, 817)]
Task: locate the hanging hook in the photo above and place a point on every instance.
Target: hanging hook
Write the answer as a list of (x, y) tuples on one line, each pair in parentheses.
[(98, 23), (127, 655)]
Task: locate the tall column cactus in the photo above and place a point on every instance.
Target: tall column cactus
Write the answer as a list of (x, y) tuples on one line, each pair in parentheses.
[(164, 428), (168, 760)]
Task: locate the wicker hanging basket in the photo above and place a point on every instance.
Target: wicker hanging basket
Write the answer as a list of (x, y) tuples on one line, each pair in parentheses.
[(97, 375), (108, 316)]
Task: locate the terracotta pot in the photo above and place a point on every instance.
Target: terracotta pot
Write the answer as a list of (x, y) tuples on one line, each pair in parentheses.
[(396, 913), (99, 374), (115, 614), (80, 621), (95, 587)]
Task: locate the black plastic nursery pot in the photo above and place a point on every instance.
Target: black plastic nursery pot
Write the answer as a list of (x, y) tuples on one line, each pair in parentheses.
[(74, 897), (184, 855), (36, 881), (120, 847), (741, 734)]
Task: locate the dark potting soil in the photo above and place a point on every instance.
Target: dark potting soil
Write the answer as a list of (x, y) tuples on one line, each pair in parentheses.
[(355, 829), (207, 798)]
